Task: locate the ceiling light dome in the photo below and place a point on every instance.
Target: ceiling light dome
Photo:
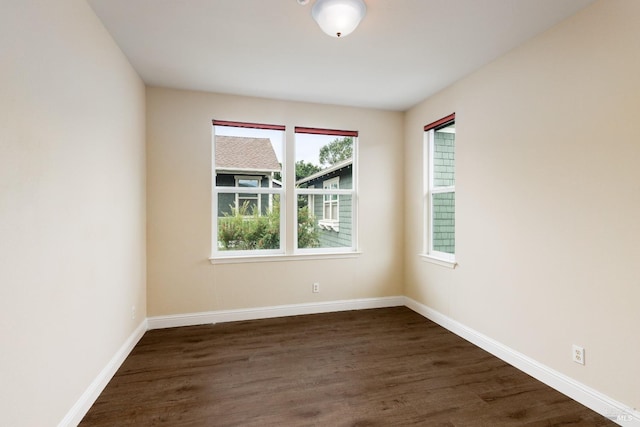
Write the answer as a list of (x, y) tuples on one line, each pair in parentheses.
[(338, 18)]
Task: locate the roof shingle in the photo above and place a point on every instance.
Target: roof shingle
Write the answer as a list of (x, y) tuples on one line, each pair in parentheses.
[(245, 153)]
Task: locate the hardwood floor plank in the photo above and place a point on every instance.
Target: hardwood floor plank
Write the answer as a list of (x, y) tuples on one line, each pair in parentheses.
[(377, 367)]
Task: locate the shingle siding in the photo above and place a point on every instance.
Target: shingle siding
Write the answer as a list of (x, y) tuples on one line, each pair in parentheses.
[(341, 238), (444, 204), (444, 159), (333, 239)]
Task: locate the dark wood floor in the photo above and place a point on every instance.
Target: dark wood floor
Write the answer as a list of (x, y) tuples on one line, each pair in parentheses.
[(383, 367)]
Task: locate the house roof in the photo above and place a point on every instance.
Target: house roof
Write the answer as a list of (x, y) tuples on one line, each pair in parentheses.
[(327, 171), (245, 154)]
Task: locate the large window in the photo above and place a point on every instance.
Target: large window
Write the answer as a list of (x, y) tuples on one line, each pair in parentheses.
[(253, 206), (325, 165), (440, 189), (247, 176)]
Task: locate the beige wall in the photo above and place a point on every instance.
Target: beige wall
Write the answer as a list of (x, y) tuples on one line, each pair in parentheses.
[(180, 277), (548, 199), (72, 206), (547, 195)]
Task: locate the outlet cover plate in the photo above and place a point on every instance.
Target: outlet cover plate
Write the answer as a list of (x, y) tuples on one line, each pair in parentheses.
[(578, 354)]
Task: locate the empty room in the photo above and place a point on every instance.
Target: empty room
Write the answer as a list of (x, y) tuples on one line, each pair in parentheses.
[(319, 212)]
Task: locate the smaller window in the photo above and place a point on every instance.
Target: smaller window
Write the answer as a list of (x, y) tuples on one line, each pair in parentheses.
[(249, 203), (248, 182), (440, 189), (331, 204)]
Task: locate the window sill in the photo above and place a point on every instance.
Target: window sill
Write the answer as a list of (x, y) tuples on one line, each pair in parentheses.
[(280, 258), (438, 261), (329, 225)]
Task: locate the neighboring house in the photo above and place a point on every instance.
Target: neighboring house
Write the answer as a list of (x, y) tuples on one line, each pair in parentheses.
[(247, 163), (332, 213)]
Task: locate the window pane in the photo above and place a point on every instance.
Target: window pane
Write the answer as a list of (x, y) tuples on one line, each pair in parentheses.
[(248, 203), (324, 161), (248, 182), (247, 227), (321, 158), (332, 230), (444, 157), (444, 222), (247, 159)]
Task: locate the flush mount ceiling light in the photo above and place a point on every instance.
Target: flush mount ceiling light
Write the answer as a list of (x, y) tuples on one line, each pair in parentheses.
[(338, 18)]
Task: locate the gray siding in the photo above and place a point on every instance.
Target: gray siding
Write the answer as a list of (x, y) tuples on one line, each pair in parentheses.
[(444, 159), (225, 201), (341, 238), (444, 204), (333, 239)]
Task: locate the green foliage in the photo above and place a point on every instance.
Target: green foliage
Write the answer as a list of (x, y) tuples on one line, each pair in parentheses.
[(336, 151), (246, 229), (304, 169), (308, 236)]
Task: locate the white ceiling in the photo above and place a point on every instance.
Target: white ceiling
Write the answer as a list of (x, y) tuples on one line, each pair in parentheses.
[(402, 52)]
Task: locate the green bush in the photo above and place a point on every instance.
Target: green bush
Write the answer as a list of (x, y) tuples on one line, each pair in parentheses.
[(308, 236), (246, 229)]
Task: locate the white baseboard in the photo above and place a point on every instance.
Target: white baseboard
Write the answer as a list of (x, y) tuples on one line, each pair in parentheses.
[(190, 319), (593, 399), (82, 406)]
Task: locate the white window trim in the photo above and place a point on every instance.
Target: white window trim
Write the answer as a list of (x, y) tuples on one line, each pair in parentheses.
[(242, 259), (344, 251), (429, 254), (216, 253), (438, 261), (285, 252)]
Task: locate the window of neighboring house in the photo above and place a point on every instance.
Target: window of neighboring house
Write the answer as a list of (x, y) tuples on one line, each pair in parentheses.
[(330, 212), (248, 202), (326, 172), (247, 189), (440, 189)]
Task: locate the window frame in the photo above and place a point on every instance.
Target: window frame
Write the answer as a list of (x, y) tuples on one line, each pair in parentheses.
[(330, 200), (288, 250), (353, 192), (430, 190), (216, 252), (248, 196)]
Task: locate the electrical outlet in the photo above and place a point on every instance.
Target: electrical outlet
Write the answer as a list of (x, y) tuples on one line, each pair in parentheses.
[(578, 354), (133, 312), (315, 288)]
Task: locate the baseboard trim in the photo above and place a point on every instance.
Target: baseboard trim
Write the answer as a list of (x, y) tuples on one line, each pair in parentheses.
[(593, 399), (82, 406), (220, 316)]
